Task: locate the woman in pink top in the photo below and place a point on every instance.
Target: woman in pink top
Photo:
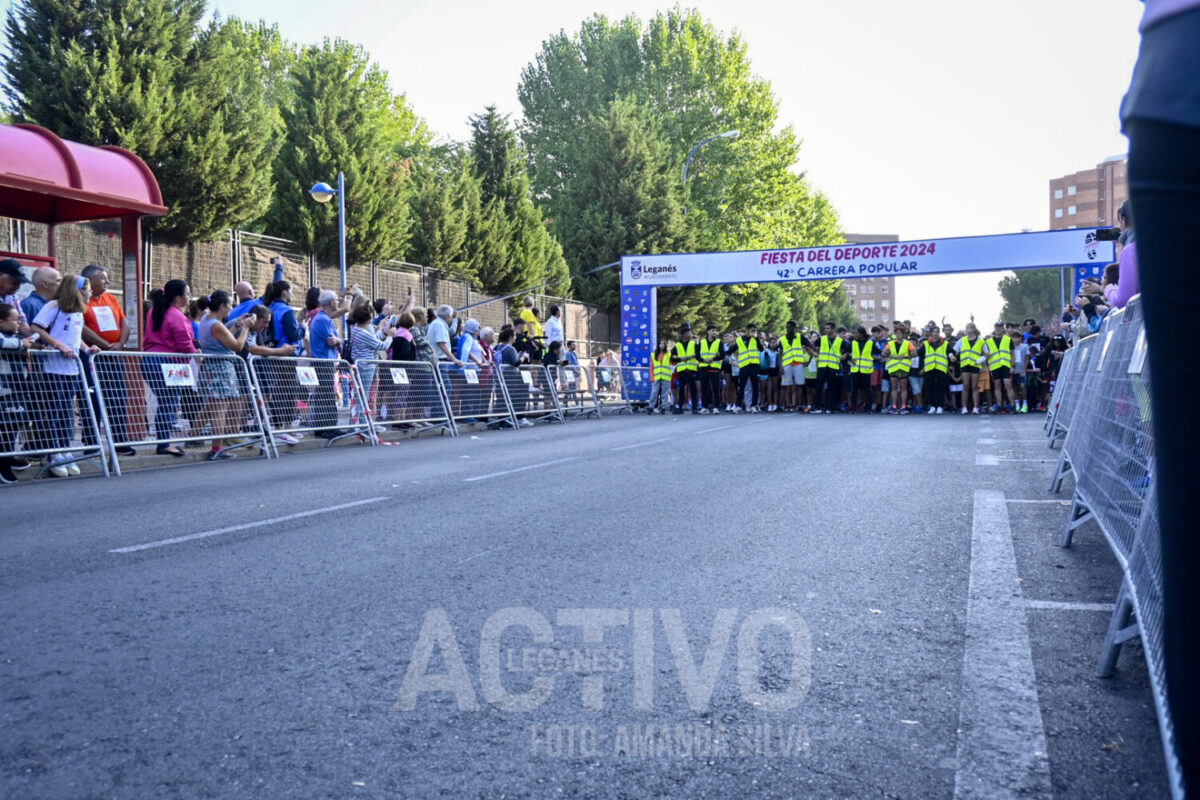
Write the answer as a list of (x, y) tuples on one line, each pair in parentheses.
[(167, 331)]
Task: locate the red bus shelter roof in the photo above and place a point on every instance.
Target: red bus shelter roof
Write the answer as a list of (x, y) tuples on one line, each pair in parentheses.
[(46, 179)]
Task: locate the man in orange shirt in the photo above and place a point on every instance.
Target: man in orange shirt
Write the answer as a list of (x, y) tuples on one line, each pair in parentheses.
[(105, 327)]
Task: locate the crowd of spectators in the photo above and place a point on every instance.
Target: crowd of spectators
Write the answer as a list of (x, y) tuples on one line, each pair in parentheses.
[(73, 317)]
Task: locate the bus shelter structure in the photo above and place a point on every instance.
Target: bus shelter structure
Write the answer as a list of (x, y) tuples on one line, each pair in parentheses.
[(46, 179)]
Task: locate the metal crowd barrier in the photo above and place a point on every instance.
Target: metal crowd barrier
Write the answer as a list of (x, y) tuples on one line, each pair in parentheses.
[(301, 396), (475, 394), (608, 387), (1070, 390), (574, 395), (163, 399), (1066, 368), (47, 409), (1109, 446), (404, 396), (531, 394)]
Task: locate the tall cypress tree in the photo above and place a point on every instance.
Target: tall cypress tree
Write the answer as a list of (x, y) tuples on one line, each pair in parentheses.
[(510, 247), (338, 119), (140, 74)]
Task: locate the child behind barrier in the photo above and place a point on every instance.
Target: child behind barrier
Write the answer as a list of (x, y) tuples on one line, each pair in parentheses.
[(13, 414)]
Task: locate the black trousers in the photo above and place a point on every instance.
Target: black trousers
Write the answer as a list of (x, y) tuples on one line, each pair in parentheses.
[(934, 389), (861, 393), (687, 387), (829, 388), (710, 387), (747, 375), (1164, 185)]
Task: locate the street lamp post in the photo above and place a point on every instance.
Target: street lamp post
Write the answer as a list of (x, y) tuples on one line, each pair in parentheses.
[(322, 192), (686, 164)]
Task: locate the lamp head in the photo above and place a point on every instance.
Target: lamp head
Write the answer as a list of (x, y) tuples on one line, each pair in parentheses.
[(322, 192), (731, 134)]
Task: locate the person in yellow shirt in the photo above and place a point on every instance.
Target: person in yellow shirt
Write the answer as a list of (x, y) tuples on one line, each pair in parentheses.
[(529, 314)]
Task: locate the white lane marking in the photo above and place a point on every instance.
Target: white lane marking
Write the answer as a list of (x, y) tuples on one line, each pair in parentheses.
[(245, 526), (719, 428), (1001, 739), (640, 444), (519, 469), (1040, 502), (1058, 605), (985, 441), (986, 460), (477, 555)]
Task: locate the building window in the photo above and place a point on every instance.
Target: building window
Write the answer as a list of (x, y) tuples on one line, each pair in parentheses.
[(853, 290), (870, 317), (885, 318), (1058, 194), (871, 289), (885, 303), (1070, 191), (1058, 213), (883, 289), (1070, 211)]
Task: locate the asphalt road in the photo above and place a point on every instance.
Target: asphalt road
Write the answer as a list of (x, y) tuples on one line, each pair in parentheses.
[(690, 607)]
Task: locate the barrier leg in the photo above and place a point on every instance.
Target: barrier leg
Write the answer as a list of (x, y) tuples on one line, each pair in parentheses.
[(1120, 630), (1060, 471), (1079, 515)]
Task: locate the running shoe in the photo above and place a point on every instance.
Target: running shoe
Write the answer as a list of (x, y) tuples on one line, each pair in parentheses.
[(221, 455), (939, 410), (975, 410), (287, 438), (964, 410), (72, 468), (704, 411), (524, 423), (6, 474), (995, 409), (18, 463), (59, 469), (904, 411)]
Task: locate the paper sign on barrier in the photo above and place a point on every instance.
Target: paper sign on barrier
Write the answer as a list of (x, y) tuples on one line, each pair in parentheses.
[(570, 378), (471, 376), (178, 375), (307, 376), (605, 376), (527, 377), (399, 375)]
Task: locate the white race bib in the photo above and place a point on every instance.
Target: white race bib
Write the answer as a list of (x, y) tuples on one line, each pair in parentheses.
[(105, 319)]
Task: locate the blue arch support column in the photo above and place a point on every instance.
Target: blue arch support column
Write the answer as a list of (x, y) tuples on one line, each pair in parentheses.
[(639, 329)]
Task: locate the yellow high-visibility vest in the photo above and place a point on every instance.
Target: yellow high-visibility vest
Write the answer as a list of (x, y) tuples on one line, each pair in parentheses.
[(747, 352), (662, 368), (972, 355), (862, 354), (898, 354), (793, 350), (936, 358), (830, 355), (710, 354), (1001, 357), (685, 356)]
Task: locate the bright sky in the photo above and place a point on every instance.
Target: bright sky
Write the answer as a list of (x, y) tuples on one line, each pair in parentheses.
[(921, 118)]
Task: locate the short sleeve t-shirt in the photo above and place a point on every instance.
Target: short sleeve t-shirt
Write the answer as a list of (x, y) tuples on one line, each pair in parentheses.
[(66, 328), (322, 329), (438, 332), (104, 316)]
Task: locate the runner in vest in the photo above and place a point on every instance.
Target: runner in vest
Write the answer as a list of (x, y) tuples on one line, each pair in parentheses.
[(998, 349), (862, 367), (896, 360), (683, 355), (829, 363), (795, 356), (711, 352), (970, 359), (937, 368), (747, 357), (660, 379)]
